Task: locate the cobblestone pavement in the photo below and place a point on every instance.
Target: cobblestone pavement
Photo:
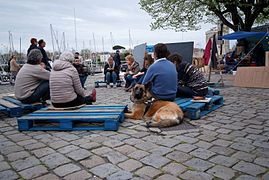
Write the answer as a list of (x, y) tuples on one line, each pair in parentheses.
[(230, 143)]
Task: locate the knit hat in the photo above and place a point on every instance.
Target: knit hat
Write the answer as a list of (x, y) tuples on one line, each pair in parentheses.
[(67, 56)]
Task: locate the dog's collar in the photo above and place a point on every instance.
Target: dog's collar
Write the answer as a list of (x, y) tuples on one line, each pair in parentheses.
[(148, 104)]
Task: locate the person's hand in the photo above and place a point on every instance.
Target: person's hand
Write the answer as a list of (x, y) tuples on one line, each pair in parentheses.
[(43, 65)]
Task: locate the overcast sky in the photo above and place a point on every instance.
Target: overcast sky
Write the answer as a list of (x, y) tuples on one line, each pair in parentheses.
[(32, 18)]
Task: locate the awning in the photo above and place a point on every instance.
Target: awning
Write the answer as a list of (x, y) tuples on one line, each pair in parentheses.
[(242, 35)]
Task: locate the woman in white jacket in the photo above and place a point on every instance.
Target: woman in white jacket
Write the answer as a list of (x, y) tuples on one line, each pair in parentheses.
[(65, 86)]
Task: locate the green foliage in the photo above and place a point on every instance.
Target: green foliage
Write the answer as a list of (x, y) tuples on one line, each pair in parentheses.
[(182, 15)]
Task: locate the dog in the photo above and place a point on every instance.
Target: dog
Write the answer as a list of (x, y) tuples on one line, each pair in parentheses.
[(156, 113)]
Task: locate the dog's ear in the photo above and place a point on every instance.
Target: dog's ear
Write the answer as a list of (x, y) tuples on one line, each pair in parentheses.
[(132, 95), (148, 85)]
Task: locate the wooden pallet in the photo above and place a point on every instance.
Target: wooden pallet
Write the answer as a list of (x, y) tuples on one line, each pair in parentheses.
[(98, 84), (85, 118), (15, 108), (194, 110)]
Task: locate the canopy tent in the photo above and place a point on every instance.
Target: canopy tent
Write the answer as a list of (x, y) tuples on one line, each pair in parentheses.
[(242, 35)]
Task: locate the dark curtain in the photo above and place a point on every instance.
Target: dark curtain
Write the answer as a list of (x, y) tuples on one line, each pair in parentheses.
[(214, 53)]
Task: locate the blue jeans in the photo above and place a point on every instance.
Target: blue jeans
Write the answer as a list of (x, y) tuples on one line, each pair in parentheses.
[(83, 79), (111, 77), (129, 79), (41, 93)]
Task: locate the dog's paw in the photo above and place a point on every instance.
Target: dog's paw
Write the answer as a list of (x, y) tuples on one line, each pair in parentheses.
[(148, 124)]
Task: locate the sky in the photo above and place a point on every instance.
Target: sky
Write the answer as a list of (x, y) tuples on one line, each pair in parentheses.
[(108, 21)]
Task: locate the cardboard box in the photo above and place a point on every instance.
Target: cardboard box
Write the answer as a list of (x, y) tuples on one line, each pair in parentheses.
[(256, 77)]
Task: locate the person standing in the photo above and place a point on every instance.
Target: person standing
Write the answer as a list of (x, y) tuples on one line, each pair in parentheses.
[(45, 59), (33, 45), (162, 75), (14, 68), (117, 61)]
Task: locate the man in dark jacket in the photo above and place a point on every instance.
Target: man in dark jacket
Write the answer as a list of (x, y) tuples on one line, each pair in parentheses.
[(45, 59), (33, 45)]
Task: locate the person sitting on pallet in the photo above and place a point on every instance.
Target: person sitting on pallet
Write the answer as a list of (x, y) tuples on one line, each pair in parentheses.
[(191, 82), (82, 70), (162, 75), (111, 70), (65, 87), (32, 81), (133, 69)]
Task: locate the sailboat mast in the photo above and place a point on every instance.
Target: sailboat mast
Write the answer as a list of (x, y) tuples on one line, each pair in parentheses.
[(75, 24), (52, 41)]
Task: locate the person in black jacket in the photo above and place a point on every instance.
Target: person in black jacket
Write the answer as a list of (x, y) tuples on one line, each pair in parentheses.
[(45, 59), (191, 82), (110, 71), (82, 70), (33, 45)]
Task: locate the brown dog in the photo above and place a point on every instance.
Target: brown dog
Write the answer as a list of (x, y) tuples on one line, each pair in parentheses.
[(157, 113)]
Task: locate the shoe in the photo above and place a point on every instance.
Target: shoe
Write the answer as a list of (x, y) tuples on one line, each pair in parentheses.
[(129, 89), (93, 95)]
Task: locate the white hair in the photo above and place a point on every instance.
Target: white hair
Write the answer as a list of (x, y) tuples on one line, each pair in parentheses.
[(67, 56)]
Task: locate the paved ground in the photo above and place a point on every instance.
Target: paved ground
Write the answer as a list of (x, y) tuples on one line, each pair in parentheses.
[(230, 143)]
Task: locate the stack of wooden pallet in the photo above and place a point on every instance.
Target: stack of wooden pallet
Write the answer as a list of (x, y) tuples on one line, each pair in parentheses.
[(15, 108), (88, 117), (195, 110)]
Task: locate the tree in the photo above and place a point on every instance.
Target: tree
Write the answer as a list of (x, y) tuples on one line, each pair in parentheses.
[(182, 15)]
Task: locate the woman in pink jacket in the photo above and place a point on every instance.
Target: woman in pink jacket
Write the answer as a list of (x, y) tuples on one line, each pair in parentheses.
[(65, 86)]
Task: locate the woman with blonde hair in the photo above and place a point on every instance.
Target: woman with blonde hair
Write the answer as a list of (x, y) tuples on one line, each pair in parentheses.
[(133, 69)]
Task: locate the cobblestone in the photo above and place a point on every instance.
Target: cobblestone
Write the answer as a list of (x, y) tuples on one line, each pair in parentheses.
[(174, 168), (222, 172), (81, 175), (104, 170), (147, 172), (120, 175), (224, 160), (66, 169), (198, 164), (93, 161), (202, 153), (196, 175), (130, 165), (249, 168), (33, 172), (54, 160)]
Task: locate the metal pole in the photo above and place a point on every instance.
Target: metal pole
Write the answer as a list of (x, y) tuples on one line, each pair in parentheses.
[(52, 41), (75, 24), (20, 48)]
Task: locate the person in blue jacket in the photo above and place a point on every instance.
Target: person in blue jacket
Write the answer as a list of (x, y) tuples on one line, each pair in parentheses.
[(162, 74)]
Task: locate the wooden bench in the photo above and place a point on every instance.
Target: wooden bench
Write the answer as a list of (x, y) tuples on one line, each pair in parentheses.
[(195, 110), (87, 117), (15, 108)]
